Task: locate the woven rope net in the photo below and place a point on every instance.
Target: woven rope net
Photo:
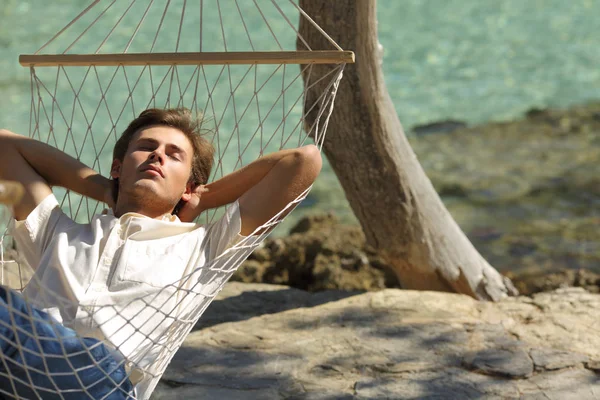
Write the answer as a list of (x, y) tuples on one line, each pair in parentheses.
[(250, 106)]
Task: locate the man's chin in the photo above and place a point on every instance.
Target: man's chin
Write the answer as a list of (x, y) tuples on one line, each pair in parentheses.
[(145, 188), (151, 191), (146, 182)]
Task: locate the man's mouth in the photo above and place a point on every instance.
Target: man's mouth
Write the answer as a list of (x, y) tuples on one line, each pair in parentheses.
[(154, 171)]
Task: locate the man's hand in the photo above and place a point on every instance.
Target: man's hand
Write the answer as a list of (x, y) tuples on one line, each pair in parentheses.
[(38, 166), (265, 186), (191, 209)]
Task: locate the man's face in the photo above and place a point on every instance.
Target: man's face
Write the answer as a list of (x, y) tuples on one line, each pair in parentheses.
[(156, 168)]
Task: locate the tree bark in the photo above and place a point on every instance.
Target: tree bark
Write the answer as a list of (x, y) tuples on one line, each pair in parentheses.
[(398, 208)]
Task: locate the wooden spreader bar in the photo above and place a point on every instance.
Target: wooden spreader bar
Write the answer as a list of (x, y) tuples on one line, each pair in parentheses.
[(203, 58)]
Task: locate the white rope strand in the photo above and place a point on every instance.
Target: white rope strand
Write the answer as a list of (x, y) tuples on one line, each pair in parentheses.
[(89, 27), (200, 25), (222, 27), (115, 26), (268, 25), (180, 26), (162, 19), (244, 25), (316, 26), (298, 35), (139, 25), (88, 8)]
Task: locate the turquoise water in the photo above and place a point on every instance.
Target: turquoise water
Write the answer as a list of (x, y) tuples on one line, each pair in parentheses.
[(464, 59), (469, 60), (488, 60)]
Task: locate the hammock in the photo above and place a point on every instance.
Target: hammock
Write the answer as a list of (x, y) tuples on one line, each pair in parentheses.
[(232, 62)]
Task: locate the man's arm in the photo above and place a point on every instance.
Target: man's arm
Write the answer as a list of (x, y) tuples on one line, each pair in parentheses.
[(38, 166), (266, 186)]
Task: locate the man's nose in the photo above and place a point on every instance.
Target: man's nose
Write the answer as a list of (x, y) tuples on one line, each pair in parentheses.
[(156, 155)]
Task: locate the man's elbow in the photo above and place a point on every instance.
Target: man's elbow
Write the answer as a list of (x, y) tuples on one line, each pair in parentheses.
[(310, 157), (5, 133), (7, 140)]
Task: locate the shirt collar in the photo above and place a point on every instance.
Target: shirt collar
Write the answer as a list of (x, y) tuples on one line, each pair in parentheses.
[(165, 217)]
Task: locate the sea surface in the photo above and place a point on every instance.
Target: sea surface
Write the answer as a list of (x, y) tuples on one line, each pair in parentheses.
[(466, 60)]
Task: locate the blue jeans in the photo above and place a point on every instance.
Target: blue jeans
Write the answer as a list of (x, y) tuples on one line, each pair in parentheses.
[(42, 358)]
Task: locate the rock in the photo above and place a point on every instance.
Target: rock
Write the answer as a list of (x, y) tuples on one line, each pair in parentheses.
[(541, 281), (391, 344), (439, 127), (510, 363), (496, 189), (319, 254), (240, 301), (593, 365), (314, 223), (551, 359), (508, 175), (323, 254), (569, 384), (449, 384)]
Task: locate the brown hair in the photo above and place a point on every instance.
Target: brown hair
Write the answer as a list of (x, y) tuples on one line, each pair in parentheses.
[(178, 118)]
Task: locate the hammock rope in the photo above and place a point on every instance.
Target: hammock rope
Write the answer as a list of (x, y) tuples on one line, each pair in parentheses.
[(248, 109)]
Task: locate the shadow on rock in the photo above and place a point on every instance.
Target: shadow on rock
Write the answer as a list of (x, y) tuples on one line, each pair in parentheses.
[(237, 303)]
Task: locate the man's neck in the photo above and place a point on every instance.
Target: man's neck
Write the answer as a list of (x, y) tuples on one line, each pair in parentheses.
[(150, 212)]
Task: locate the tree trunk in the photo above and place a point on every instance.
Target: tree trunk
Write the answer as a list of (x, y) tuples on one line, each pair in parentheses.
[(397, 206)]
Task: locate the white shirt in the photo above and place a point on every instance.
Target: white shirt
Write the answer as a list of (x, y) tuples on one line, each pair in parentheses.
[(139, 284)]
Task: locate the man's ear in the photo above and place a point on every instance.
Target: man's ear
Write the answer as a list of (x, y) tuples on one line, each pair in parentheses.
[(187, 195), (115, 169)]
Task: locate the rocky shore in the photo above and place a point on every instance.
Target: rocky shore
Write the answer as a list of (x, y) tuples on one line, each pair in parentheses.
[(317, 314), (321, 253), (260, 341), (526, 193)]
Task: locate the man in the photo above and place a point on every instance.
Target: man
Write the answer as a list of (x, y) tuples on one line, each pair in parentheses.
[(108, 295)]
